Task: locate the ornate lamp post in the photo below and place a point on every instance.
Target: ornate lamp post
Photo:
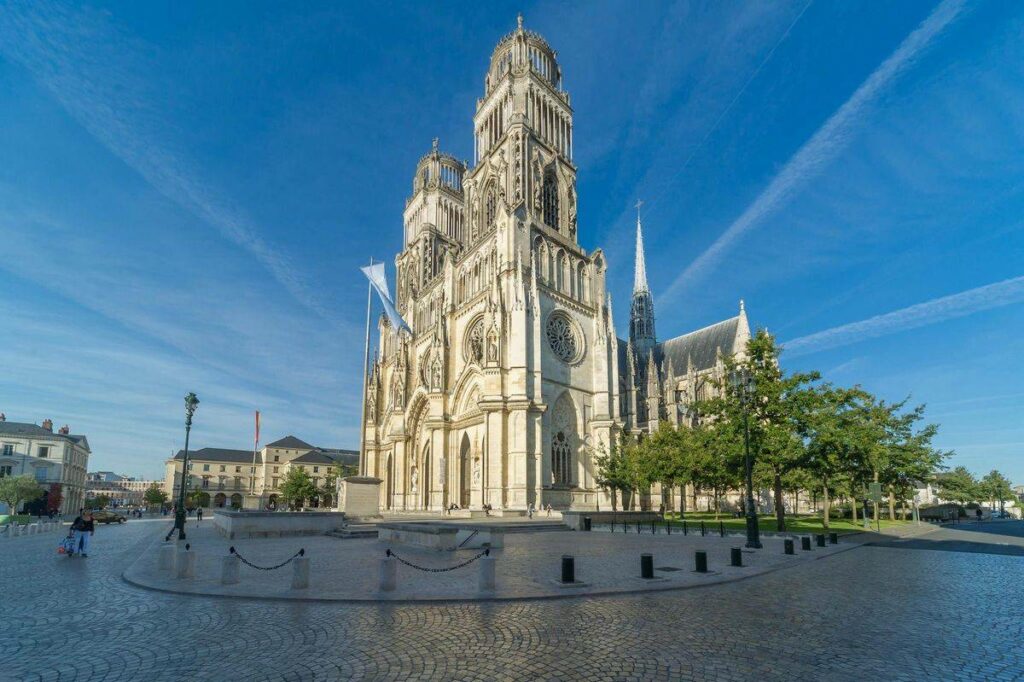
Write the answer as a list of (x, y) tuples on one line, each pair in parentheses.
[(743, 384), (191, 403)]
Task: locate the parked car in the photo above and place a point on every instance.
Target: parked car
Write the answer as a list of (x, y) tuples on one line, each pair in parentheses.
[(104, 516)]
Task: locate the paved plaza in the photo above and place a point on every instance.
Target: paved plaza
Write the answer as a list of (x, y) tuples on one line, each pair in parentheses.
[(902, 611), (527, 566)]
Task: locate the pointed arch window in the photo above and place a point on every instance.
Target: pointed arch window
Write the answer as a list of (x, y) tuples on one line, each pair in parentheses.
[(549, 198), (490, 206), (561, 460)]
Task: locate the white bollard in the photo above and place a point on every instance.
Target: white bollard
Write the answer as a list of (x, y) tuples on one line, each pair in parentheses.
[(486, 573), (165, 557), (229, 569), (185, 564), (388, 574), (32, 528), (300, 574)]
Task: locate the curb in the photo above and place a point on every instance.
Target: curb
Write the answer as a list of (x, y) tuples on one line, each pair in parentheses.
[(471, 600)]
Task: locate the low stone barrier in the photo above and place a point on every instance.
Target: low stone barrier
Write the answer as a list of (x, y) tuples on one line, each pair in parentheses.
[(235, 525)]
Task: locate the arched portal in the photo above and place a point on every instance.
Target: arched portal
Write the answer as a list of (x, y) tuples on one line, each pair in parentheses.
[(236, 501), (219, 499), (465, 471), (427, 476), (389, 489)]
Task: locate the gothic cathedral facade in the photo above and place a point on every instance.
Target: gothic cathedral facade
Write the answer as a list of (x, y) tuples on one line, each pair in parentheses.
[(514, 380)]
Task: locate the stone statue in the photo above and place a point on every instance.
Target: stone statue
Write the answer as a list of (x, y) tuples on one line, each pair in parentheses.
[(414, 480), (476, 470)]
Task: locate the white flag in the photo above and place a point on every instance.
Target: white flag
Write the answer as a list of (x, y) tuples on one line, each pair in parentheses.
[(378, 279)]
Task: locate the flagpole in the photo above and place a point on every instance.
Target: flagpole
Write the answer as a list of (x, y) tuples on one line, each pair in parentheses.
[(366, 366)]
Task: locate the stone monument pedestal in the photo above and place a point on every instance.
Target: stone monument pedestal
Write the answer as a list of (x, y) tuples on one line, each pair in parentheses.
[(359, 496)]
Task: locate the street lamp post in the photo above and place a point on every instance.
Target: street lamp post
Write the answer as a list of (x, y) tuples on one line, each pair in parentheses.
[(744, 384), (191, 402)]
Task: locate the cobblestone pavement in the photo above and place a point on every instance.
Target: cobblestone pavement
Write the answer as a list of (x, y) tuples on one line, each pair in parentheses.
[(870, 613)]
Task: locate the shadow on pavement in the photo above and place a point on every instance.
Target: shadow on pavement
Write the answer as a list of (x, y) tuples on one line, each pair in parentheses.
[(953, 546)]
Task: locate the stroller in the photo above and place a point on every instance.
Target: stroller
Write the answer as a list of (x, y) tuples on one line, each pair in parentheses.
[(68, 545)]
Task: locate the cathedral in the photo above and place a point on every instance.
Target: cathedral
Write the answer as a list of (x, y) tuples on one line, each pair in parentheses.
[(513, 379)]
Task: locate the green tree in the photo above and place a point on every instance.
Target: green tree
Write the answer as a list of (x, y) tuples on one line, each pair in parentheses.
[(155, 496), (17, 489), (996, 488), (958, 485), (773, 403), (101, 501), (297, 486)]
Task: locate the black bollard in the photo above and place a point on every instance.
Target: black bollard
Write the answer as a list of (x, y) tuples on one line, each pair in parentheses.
[(652, 526), (684, 526), (820, 537), (586, 523), (737, 557), (700, 559), (721, 529), (789, 545), (568, 569), (647, 566), (668, 527), (638, 528), (833, 538), (702, 530), (805, 543)]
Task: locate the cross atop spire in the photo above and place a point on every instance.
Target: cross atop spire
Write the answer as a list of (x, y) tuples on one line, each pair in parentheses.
[(640, 269)]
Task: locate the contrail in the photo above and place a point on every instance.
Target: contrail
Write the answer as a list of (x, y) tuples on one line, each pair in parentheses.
[(98, 75), (826, 142), (937, 310)]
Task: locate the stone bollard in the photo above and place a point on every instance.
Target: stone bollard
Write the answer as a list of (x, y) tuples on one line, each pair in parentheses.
[(805, 543), (486, 575), (300, 574), (185, 563), (33, 528), (833, 538), (700, 561), (736, 557), (789, 545), (388, 573), (229, 566), (165, 557), (647, 566), (820, 538)]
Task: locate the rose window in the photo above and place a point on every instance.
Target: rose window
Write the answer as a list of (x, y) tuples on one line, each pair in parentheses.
[(562, 338)]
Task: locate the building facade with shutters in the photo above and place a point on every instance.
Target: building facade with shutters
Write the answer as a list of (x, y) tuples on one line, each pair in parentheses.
[(231, 478), (52, 458), (514, 379)]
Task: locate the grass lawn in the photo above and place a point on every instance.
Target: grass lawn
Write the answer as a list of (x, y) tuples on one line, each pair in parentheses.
[(794, 524)]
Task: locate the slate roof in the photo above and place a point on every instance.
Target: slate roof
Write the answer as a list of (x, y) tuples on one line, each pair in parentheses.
[(702, 346), (290, 442), (221, 455), (329, 456), (36, 431)]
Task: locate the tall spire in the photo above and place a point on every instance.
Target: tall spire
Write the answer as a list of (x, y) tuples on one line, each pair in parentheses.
[(640, 269)]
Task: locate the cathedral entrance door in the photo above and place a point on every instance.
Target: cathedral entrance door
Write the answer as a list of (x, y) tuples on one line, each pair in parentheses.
[(465, 471)]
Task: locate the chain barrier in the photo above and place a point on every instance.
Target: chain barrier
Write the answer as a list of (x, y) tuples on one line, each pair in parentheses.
[(284, 563), (427, 569)]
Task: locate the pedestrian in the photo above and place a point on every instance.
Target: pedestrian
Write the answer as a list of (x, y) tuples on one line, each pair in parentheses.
[(549, 510), (529, 511), (199, 514), (83, 528)]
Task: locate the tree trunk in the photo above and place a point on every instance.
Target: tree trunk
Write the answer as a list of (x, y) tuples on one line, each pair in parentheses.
[(780, 510), (853, 507), (796, 501), (878, 511), (903, 509), (824, 497), (892, 504)]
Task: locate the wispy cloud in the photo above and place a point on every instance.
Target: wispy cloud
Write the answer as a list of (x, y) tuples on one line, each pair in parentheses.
[(937, 310), (822, 147), (101, 77)]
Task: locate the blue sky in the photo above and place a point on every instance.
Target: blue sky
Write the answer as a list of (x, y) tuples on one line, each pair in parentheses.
[(187, 190)]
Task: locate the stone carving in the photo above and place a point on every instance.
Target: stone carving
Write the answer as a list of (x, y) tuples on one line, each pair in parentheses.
[(414, 480)]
